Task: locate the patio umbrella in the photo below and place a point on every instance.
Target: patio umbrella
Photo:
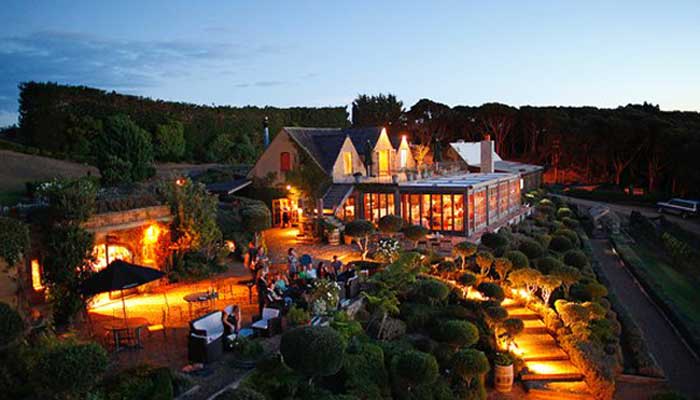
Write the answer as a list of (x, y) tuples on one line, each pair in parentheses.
[(368, 157), (119, 275)]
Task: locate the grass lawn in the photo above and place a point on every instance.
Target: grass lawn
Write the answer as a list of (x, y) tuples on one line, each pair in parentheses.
[(676, 287)]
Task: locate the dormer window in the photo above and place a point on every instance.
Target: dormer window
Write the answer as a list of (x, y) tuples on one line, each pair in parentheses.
[(403, 158), (347, 163)]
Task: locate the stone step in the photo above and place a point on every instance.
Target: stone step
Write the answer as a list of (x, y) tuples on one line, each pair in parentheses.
[(562, 370), (574, 390), (535, 352), (534, 326), (538, 338), (522, 313)]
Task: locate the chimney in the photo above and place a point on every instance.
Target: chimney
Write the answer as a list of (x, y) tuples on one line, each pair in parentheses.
[(486, 161), (266, 135)]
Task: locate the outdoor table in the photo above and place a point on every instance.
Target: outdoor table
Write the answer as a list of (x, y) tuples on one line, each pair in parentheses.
[(124, 326), (198, 297)]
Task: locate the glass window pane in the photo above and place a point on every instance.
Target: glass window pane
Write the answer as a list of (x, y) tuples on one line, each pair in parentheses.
[(425, 211), (415, 209), (436, 217), (458, 209), (390, 209), (447, 212)]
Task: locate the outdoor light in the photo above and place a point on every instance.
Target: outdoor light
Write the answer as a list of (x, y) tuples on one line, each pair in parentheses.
[(289, 187), (180, 181)]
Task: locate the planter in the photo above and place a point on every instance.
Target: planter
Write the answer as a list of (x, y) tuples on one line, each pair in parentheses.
[(334, 237), (503, 378)]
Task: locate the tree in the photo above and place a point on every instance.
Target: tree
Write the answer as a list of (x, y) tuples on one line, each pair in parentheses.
[(576, 258), (469, 364), (491, 291), (414, 368), (517, 258), (360, 231), (11, 325), (14, 240), (464, 250), (560, 243), (493, 240), (169, 141), (530, 248), (568, 275), (390, 223), (458, 333), (503, 267), (498, 120), (432, 291), (379, 110), (256, 218), (509, 329), (527, 278), (547, 284), (484, 260), (313, 351), (194, 210), (415, 233), (124, 152)]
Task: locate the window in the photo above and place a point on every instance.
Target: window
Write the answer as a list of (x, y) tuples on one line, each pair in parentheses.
[(37, 284), (479, 209), (285, 161), (503, 198), (347, 163), (458, 212), (383, 156), (403, 158), (378, 205)]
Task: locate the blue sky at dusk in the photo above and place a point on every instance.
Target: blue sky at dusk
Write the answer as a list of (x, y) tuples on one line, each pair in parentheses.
[(326, 52)]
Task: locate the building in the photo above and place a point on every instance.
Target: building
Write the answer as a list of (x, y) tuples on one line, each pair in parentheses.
[(472, 153), (374, 174)]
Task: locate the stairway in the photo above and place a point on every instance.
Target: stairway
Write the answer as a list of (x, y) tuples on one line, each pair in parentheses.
[(335, 195), (549, 373)]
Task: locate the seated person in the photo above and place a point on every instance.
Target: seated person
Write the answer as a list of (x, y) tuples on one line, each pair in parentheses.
[(337, 265), (310, 272), (281, 284), (232, 320), (347, 273)]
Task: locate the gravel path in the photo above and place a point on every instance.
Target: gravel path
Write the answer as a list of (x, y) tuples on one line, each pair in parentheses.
[(680, 366)]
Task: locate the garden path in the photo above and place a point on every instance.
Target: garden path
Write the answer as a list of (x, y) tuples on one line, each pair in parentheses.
[(550, 373), (677, 361)]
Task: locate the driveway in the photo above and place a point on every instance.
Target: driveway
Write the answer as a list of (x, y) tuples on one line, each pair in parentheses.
[(667, 347), (691, 225)]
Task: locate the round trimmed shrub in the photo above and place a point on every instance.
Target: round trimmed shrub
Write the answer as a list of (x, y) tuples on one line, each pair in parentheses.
[(530, 248), (446, 266), (67, 369), (240, 393), (390, 223), (484, 260), (496, 313), (141, 382), (492, 291), (464, 250), (576, 258), (467, 279), (569, 233), (313, 350), (414, 367), (560, 243), (518, 258), (588, 291), (548, 264), (564, 212), (11, 324), (493, 240), (458, 333), (432, 291), (571, 223), (415, 232), (469, 364)]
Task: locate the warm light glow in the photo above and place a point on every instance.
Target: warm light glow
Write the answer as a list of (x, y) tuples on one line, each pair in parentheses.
[(115, 252), (36, 276), (180, 181), (150, 238), (513, 348), (289, 187)]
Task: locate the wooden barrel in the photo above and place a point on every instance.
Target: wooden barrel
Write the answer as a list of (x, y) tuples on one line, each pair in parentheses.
[(334, 237), (503, 378)]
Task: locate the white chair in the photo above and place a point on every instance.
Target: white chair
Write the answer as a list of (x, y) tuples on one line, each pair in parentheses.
[(269, 323), (205, 342)]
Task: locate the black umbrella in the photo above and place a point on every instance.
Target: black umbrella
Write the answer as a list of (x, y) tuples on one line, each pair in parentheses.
[(119, 275)]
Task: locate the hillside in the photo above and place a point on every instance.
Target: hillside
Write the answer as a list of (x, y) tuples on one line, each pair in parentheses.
[(18, 168)]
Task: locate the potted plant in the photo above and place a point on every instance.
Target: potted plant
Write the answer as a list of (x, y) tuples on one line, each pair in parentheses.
[(503, 372)]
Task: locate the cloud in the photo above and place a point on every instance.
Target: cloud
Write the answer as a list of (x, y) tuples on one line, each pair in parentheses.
[(112, 64)]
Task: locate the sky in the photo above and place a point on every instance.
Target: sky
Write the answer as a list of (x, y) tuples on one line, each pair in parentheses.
[(318, 53)]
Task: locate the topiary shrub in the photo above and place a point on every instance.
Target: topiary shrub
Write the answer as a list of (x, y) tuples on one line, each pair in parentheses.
[(484, 260), (67, 369), (313, 350), (560, 243), (432, 291), (364, 373), (495, 314), (491, 291), (493, 240), (390, 223), (518, 258), (416, 315), (588, 290), (548, 264), (141, 382), (467, 279), (575, 258), (531, 248), (569, 233), (415, 233), (570, 223), (464, 250), (564, 212), (458, 333), (11, 324), (469, 365), (360, 231), (240, 394), (446, 267), (503, 266), (414, 368)]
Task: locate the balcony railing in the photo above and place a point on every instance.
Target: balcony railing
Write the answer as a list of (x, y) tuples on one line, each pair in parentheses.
[(436, 169)]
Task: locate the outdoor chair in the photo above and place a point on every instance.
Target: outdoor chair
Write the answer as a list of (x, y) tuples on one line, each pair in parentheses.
[(352, 287), (155, 328), (205, 342), (269, 323)]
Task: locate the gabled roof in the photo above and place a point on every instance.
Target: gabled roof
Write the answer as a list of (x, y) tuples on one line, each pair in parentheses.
[(324, 144), (471, 152)]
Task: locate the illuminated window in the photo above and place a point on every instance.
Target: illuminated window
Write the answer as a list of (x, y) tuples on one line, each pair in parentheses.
[(285, 161), (458, 212), (493, 204), (105, 254), (479, 209), (383, 156), (150, 238), (347, 163), (36, 276), (403, 158)]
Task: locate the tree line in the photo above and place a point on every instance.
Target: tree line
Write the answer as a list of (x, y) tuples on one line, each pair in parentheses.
[(638, 145), (68, 120)]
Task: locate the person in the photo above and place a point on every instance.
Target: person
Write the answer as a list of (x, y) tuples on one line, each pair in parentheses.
[(321, 270), (261, 287), (292, 263), (232, 321), (310, 272), (285, 219), (262, 261), (337, 265), (281, 284), (252, 251)]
